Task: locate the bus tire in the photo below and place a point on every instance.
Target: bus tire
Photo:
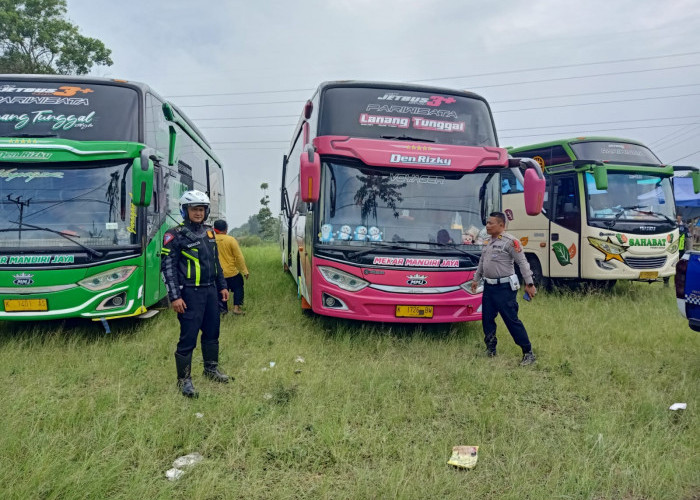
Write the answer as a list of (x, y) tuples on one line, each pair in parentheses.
[(536, 269)]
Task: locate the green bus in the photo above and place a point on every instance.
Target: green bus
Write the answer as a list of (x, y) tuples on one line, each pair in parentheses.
[(609, 212), (91, 172)]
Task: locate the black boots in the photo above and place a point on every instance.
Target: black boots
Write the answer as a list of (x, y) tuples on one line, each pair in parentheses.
[(184, 380), (528, 358), (210, 354)]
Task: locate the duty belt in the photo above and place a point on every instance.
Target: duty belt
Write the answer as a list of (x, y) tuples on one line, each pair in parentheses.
[(498, 281)]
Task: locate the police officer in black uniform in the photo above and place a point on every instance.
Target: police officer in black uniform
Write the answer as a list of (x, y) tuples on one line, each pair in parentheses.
[(501, 284), (194, 279)]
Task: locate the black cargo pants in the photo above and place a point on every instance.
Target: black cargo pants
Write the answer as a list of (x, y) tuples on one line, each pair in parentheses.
[(501, 299), (202, 313)]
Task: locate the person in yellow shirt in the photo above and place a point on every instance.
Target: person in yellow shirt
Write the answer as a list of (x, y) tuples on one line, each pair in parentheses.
[(233, 264)]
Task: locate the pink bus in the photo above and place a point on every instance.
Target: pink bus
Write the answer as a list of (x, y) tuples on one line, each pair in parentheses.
[(385, 192)]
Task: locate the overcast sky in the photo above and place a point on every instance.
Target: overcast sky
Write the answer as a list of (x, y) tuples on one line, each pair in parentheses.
[(550, 68)]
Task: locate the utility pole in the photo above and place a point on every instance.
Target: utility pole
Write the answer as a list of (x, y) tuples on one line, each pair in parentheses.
[(20, 204)]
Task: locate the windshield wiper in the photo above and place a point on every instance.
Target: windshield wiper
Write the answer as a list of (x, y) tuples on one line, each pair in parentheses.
[(386, 244), (405, 138), (454, 247), (91, 251), (33, 136), (637, 208), (612, 223)]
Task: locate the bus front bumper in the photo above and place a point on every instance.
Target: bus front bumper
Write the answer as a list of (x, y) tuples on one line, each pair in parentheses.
[(370, 304), (118, 301)]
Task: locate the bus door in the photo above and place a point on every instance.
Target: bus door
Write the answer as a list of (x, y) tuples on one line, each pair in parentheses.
[(564, 226), (154, 287)]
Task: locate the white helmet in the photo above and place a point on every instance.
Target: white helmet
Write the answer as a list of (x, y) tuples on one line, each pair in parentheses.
[(195, 198)]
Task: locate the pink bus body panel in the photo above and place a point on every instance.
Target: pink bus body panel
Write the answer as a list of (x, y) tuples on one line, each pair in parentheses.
[(390, 154), (378, 305)]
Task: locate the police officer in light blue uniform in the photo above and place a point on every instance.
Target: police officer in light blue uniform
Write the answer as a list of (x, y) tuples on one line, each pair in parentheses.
[(195, 282), (496, 268)]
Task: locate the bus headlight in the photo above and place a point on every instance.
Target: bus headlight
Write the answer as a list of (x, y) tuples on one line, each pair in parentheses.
[(344, 280), (468, 287), (106, 279)]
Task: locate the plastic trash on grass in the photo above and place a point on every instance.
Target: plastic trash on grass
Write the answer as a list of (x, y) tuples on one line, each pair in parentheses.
[(184, 461), (678, 406), (464, 457)]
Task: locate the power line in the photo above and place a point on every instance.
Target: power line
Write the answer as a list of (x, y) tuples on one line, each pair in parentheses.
[(251, 142), (238, 104), (594, 103), (584, 76), (678, 140), (595, 93), (247, 117), (249, 126), (476, 87), (559, 66), (240, 93), (686, 156), (603, 123), (250, 149), (494, 73), (672, 139), (578, 131)]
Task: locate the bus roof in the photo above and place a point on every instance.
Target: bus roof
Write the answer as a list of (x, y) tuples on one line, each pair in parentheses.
[(396, 86), (574, 140), (141, 87)]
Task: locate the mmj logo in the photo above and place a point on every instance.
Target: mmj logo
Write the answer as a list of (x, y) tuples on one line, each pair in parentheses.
[(23, 279), (417, 279)]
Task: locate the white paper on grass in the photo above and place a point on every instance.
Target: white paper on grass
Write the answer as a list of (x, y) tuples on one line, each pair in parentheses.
[(187, 460), (678, 406), (173, 474)]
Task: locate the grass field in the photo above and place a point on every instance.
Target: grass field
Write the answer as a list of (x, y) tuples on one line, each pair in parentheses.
[(374, 411)]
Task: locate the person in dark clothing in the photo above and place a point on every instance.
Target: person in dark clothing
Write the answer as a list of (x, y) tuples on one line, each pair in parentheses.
[(194, 279), (496, 268)]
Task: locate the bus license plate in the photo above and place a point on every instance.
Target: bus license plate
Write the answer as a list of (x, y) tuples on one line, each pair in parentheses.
[(12, 305), (648, 275), (414, 311)]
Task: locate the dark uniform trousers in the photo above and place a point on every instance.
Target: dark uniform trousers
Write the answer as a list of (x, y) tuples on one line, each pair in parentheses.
[(236, 286), (501, 299), (202, 313)]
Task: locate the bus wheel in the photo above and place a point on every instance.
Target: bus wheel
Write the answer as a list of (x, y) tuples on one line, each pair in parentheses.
[(536, 268)]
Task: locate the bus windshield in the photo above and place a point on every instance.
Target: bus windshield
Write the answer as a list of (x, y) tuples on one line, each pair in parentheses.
[(89, 204), (89, 112), (631, 197), (361, 204), (406, 115), (615, 152)]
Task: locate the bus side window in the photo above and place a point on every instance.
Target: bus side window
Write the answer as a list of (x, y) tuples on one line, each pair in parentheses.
[(566, 204), (509, 184)]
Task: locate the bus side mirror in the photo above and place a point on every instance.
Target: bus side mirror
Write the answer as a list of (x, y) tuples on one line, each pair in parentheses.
[(172, 160), (600, 176), (533, 191), (310, 175), (142, 179), (696, 181)]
